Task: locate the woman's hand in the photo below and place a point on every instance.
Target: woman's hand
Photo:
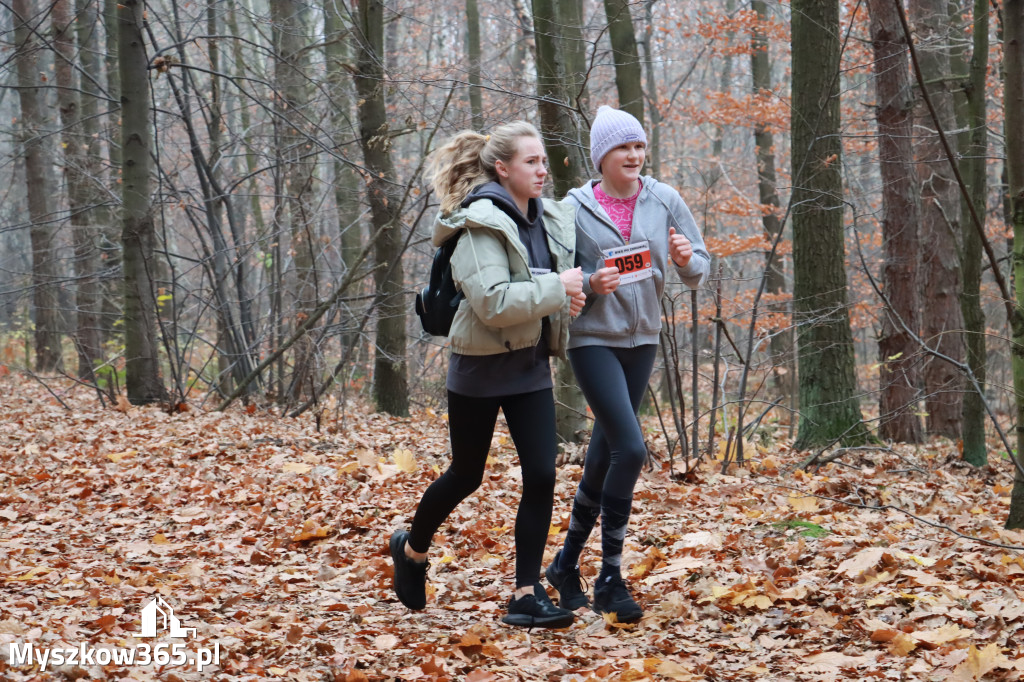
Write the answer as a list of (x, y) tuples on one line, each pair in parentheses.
[(679, 248), (572, 280), (605, 280), (576, 303)]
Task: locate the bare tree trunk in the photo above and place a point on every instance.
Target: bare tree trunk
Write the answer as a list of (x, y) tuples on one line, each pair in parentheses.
[(783, 374), (110, 245), (236, 333), (898, 352), (98, 201), (654, 138), (346, 180), (828, 405), (941, 318), (86, 261), (473, 54), (520, 52), (972, 107), (628, 75), (251, 164), (39, 189), (1013, 106), (138, 234), (113, 73), (714, 163), (390, 381), (560, 85), (289, 26), (563, 92), (227, 351)]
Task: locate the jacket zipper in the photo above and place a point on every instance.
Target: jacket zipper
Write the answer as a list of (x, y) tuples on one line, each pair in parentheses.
[(524, 257)]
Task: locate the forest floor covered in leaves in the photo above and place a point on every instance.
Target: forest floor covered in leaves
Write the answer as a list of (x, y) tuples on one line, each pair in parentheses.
[(269, 537)]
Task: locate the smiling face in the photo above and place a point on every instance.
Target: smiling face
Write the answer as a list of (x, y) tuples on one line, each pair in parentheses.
[(621, 167), (523, 176)]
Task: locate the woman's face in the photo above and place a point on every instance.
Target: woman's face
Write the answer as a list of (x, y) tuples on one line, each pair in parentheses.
[(624, 163), (523, 176)]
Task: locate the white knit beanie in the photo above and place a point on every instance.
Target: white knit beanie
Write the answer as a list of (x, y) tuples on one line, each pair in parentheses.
[(611, 128)]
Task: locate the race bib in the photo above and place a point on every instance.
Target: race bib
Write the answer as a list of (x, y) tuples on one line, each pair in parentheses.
[(632, 260)]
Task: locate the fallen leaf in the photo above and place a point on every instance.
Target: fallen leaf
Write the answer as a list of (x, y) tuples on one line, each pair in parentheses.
[(803, 503), (311, 531), (404, 460), (979, 663), (481, 675), (116, 457), (901, 644), (434, 665), (862, 561), (830, 660), (923, 561), (675, 569), (122, 404), (385, 642), (701, 539), (943, 635)]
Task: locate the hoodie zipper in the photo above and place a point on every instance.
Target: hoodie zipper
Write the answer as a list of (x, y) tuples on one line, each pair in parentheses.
[(597, 214)]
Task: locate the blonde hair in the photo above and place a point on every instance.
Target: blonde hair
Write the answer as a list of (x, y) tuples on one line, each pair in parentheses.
[(468, 160)]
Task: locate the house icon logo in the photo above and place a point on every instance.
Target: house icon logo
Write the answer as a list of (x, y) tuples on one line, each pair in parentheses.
[(158, 615)]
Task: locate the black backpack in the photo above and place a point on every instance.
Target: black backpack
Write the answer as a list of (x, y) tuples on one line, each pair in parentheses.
[(437, 303)]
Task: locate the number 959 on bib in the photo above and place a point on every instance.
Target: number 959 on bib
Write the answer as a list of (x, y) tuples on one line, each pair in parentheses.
[(632, 260)]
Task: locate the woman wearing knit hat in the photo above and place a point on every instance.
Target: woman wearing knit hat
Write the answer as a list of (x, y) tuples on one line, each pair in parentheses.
[(628, 228)]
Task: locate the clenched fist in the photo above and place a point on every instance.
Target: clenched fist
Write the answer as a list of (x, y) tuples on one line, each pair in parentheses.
[(576, 303), (679, 248), (572, 280), (605, 280)]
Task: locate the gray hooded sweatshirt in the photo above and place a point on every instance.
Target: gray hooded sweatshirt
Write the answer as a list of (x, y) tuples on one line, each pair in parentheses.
[(631, 315)]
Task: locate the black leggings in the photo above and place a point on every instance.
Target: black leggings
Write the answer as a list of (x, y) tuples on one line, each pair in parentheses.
[(613, 381), (531, 423)]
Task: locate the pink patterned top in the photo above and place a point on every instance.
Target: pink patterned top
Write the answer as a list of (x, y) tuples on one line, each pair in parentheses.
[(619, 210)]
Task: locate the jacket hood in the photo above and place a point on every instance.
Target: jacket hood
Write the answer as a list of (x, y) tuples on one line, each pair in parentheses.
[(480, 213), (484, 212), (585, 194)]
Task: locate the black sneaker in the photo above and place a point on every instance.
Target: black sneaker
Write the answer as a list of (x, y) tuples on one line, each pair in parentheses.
[(536, 611), (572, 589), (612, 596), (410, 581)]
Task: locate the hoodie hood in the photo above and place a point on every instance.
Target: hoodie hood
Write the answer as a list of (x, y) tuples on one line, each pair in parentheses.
[(585, 195), (503, 200), (490, 204)]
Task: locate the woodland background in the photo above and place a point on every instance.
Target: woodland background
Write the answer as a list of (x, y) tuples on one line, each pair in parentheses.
[(220, 210)]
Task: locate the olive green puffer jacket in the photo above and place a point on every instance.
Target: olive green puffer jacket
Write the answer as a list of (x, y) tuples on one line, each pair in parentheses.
[(505, 302)]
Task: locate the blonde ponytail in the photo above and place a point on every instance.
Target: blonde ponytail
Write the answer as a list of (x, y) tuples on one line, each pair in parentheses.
[(467, 160)]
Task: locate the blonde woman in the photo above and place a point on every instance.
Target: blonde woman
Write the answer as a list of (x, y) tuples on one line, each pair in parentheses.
[(514, 264)]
